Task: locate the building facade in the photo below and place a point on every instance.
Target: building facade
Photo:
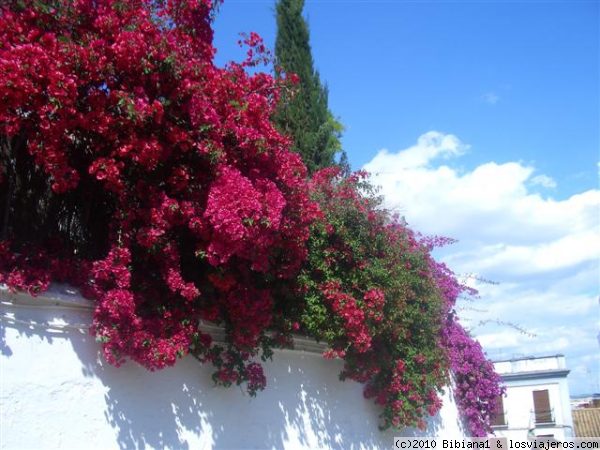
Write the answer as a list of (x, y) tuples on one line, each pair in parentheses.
[(536, 404)]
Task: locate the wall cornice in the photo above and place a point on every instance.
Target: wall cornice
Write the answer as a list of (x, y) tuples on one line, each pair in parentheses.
[(65, 297)]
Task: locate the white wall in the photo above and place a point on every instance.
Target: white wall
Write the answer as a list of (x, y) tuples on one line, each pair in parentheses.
[(57, 393), (530, 364)]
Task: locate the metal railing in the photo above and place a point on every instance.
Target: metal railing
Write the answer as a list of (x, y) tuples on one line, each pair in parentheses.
[(543, 417)]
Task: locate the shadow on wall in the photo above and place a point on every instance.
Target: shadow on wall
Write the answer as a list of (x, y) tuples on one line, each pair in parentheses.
[(84, 399), (303, 406)]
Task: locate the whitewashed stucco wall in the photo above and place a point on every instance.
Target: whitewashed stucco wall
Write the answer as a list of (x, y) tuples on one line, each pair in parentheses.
[(56, 392)]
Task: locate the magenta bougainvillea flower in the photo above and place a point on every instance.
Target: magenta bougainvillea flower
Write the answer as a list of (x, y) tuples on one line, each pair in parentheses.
[(164, 192)]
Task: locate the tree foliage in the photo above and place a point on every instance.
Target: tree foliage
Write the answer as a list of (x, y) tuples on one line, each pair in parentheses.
[(303, 112)]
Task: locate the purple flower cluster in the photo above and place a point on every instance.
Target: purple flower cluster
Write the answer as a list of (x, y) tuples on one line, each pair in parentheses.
[(477, 385)]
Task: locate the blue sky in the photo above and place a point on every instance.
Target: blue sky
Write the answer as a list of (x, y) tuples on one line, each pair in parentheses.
[(480, 120)]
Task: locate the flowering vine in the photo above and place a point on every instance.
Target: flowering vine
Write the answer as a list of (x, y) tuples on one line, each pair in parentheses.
[(477, 386), (370, 293), (158, 173), (135, 169)]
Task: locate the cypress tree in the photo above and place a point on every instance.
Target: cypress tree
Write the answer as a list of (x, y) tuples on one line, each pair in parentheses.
[(303, 112)]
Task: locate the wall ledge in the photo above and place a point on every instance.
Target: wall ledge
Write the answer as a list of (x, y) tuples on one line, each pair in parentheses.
[(57, 295), (64, 296)]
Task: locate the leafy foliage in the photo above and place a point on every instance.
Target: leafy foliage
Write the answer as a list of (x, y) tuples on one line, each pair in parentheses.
[(371, 295), (303, 112)]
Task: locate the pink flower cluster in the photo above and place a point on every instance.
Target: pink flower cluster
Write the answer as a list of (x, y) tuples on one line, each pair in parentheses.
[(208, 211), (245, 218), (346, 308)]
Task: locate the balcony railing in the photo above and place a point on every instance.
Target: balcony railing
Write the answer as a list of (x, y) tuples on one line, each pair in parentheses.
[(543, 417)]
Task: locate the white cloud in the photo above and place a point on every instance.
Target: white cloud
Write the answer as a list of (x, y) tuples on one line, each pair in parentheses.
[(567, 252), (429, 146), (491, 98), (492, 201), (502, 340), (543, 252), (544, 181)]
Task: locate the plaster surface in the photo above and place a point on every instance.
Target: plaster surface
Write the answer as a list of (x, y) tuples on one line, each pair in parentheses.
[(56, 392)]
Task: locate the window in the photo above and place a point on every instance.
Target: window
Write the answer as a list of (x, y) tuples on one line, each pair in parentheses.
[(498, 417), (541, 407)]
